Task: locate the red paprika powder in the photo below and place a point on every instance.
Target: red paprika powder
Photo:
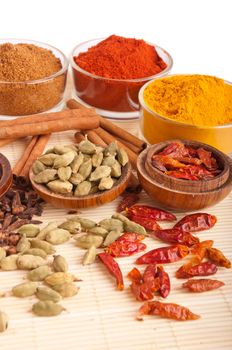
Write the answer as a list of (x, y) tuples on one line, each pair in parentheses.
[(113, 68)]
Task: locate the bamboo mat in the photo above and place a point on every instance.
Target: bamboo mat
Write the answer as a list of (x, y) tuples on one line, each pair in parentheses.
[(100, 317)]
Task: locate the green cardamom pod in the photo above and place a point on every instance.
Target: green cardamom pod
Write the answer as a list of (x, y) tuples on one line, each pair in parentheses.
[(109, 161), (131, 226), (58, 236), (87, 147), (45, 176), (64, 173), (87, 241), (100, 172), (76, 179), (36, 252), (85, 223), (64, 160), (58, 186), (72, 226), (66, 289), (47, 247), (106, 183), (4, 321), (111, 224), (29, 230), (30, 262), (59, 264), (97, 159), (122, 156), (50, 226), (100, 231), (37, 167), (9, 263), (94, 189), (85, 169), (116, 170), (111, 237), (25, 289), (2, 253), (47, 308), (48, 159), (60, 149), (76, 163), (23, 245), (46, 293), (90, 256), (59, 278), (83, 189), (111, 149), (120, 217), (39, 274)]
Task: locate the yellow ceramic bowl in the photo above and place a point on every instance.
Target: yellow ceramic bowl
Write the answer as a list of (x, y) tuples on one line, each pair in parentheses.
[(156, 128)]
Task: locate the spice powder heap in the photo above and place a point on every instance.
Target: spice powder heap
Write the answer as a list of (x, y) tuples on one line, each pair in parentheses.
[(192, 99), (121, 58)]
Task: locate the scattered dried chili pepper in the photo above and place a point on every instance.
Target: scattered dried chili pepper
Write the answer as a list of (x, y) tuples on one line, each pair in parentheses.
[(164, 280), (166, 310), (217, 257), (150, 277), (148, 223), (200, 250), (196, 222), (175, 235), (113, 268), (128, 199), (149, 212), (164, 255), (202, 285), (135, 275), (127, 244), (202, 269)]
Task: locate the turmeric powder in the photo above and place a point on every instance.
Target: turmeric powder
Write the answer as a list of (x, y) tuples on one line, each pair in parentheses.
[(191, 99)]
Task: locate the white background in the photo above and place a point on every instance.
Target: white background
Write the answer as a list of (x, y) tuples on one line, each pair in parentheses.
[(196, 33)]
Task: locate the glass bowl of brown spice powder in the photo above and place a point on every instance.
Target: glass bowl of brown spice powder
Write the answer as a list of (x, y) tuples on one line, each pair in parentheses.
[(32, 77)]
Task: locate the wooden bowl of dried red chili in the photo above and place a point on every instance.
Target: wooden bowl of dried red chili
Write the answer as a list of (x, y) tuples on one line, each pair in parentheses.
[(198, 187), (5, 175)]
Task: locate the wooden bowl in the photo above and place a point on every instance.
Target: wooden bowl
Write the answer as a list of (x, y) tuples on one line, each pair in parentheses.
[(180, 194), (92, 200), (5, 175)]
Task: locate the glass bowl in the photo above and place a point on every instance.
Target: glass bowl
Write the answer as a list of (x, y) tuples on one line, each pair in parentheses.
[(112, 98), (34, 96), (155, 128)]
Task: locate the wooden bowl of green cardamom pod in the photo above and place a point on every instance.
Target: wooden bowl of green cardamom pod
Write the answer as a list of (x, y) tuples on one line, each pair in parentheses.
[(80, 176)]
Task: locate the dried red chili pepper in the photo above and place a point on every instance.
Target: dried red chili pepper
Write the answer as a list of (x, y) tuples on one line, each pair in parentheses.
[(206, 157), (150, 277), (164, 280), (175, 235), (149, 212), (135, 275), (113, 268), (166, 310), (164, 255), (141, 291), (181, 175), (202, 269), (196, 222), (143, 287), (200, 250), (148, 223), (174, 149), (126, 245), (128, 199), (165, 163), (202, 285), (217, 257)]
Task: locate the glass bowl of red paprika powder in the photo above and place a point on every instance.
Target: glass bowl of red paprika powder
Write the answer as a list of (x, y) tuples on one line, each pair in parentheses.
[(99, 85)]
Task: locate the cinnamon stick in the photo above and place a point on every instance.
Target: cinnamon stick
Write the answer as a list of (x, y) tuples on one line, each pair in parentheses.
[(108, 138), (134, 148), (95, 138), (35, 153), (79, 137), (81, 121), (21, 162), (111, 127)]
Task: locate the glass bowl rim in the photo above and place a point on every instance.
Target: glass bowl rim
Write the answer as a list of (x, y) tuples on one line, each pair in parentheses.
[(41, 80), (137, 80), (144, 105)]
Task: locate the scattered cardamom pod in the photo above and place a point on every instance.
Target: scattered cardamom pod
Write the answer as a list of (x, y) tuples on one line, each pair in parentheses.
[(59, 278), (86, 224), (72, 226), (111, 224), (87, 147), (60, 149), (100, 231), (30, 262), (25, 289), (66, 290), (111, 149), (36, 252), (37, 167), (2, 253), (82, 189), (116, 170), (131, 226), (46, 293), (97, 159), (76, 163), (122, 156), (29, 230), (39, 274), (85, 169), (64, 173), (23, 244), (45, 176), (111, 237), (59, 264), (57, 236), (106, 183), (47, 308), (48, 159), (50, 226), (58, 186), (120, 217), (47, 247), (9, 263), (4, 321), (64, 160), (90, 256), (87, 241), (100, 172)]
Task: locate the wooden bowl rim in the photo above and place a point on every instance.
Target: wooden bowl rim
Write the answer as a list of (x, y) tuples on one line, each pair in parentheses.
[(223, 158), (7, 177), (143, 173), (126, 172)]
